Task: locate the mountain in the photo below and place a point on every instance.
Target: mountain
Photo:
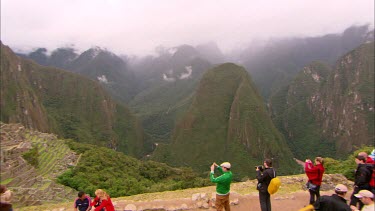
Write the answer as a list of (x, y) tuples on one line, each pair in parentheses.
[(96, 63), (70, 105), (329, 111), (62, 57), (167, 83), (226, 121), (275, 63)]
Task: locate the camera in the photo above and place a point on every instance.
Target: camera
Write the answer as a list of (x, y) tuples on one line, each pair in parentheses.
[(259, 167)]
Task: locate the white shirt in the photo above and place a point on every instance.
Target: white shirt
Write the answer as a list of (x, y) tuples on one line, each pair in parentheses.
[(370, 207)]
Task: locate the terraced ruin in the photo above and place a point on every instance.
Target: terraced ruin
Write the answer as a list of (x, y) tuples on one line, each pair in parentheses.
[(34, 185)]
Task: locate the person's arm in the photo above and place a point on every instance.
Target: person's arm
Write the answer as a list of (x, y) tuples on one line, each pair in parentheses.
[(75, 205), (220, 169), (218, 179), (94, 201), (89, 208), (261, 177), (102, 205)]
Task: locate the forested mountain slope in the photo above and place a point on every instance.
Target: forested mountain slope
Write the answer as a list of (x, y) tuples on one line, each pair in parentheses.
[(72, 106), (227, 121)]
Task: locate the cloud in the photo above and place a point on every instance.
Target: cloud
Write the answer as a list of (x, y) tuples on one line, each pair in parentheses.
[(137, 27), (188, 74), (102, 79), (166, 78)]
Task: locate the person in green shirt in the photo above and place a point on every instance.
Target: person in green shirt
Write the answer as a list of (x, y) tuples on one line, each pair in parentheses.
[(222, 185)]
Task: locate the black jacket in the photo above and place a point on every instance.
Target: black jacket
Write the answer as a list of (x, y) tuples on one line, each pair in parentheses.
[(264, 178), (330, 203), (362, 176)]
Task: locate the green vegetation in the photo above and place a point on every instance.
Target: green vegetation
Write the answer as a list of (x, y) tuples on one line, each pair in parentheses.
[(67, 104), (32, 156), (226, 121), (162, 103), (122, 175), (327, 112), (345, 167)]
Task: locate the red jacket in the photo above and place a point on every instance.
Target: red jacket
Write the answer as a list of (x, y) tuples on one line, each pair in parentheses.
[(314, 173), (370, 160), (107, 204), (372, 181)]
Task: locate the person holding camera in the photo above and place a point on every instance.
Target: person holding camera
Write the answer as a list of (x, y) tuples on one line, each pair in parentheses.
[(315, 176), (223, 185), (264, 176)]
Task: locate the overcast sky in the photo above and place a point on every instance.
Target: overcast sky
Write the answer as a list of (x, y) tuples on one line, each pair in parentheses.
[(138, 26)]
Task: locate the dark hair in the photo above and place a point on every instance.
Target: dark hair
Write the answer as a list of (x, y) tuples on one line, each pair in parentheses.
[(340, 192), (362, 158), (80, 194), (268, 162), (2, 188)]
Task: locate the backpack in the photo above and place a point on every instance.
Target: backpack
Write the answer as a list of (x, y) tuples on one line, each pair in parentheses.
[(274, 185)]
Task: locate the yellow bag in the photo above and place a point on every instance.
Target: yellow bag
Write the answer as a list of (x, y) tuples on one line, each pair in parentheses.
[(274, 185)]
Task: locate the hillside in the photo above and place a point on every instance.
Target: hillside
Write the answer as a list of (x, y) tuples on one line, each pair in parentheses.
[(67, 104), (274, 64), (328, 111), (30, 164), (226, 121), (168, 95), (34, 165)]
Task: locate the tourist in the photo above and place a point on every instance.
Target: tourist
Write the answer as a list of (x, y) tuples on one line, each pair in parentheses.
[(83, 202), (315, 176), (222, 186), (361, 180), (367, 198), (264, 177), (5, 199), (335, 202), (104, 199)]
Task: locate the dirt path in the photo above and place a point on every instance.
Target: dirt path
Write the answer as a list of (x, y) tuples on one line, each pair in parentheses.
[(286, 202)]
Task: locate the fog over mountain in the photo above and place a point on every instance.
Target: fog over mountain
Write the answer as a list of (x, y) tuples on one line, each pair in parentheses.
[(138, 27)]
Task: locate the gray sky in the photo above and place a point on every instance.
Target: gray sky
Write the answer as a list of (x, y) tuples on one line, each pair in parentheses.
[(138, 26)]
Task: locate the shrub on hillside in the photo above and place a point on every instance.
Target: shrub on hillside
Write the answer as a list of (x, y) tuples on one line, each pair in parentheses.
[(32, 156), (122, 175), (345, 167)]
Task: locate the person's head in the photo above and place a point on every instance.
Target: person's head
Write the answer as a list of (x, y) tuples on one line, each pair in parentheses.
[(81, 195), (101, 194), (319, 160), (2, 189), (267, 163), (360, 159), (364, 154), (225, 166), (341, 190), (365, 196)]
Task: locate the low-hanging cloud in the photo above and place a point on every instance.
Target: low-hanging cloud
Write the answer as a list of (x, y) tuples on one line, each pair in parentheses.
[(137, 27)]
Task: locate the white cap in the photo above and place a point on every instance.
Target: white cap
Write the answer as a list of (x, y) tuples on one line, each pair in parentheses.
[(341, 188), (364, 193), (226, 165)]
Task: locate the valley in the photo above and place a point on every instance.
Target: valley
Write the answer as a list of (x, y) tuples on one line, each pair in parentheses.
[(147, 129)]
